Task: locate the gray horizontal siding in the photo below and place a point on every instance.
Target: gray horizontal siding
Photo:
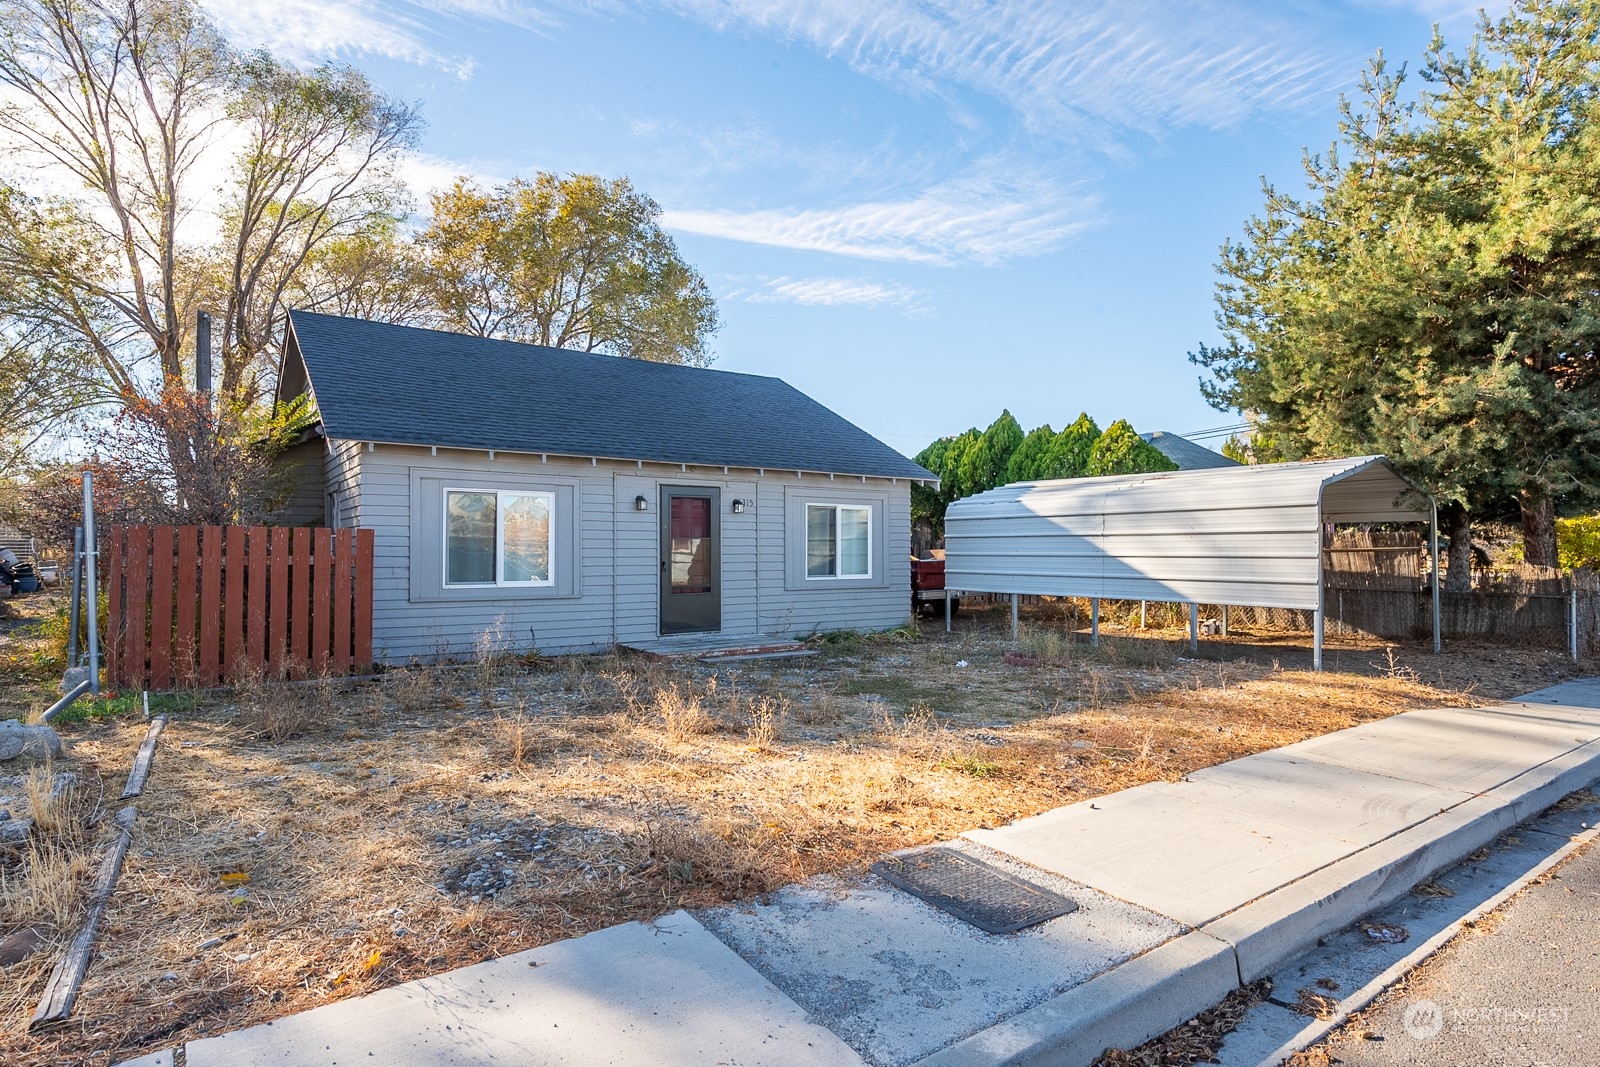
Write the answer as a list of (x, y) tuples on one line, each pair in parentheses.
[(836, 605), (619, 558)]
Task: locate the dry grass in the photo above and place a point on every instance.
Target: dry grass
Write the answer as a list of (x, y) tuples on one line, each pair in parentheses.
[(272, 708), (44, 884), (437, 818)]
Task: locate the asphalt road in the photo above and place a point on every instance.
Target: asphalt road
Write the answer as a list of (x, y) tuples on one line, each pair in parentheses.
[(1524, 991)]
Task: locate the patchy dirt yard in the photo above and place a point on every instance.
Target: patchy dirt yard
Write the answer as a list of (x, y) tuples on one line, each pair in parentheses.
[(298, 845)]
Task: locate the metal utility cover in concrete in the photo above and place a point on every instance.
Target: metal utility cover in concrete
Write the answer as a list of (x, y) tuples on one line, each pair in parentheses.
[(622, 995), (899, 979), (1236, 535), (974, 892)]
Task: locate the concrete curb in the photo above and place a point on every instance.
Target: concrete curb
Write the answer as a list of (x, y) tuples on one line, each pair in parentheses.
[(1361, 998), (1150, 994), (1168, 985), (1279, 926)]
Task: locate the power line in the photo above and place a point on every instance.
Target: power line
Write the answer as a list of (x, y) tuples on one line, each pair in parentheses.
[(1216, 431)]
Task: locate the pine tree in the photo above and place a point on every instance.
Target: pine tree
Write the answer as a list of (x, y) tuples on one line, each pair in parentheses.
[(1436, 295)]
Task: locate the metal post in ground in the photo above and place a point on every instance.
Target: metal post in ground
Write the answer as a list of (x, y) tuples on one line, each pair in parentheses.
[(1572, 616), (1094, 620), (1316, 638), (1013, 616), (91, 563), (1224, 620), (75, 614), (1433, 542), (947, 611), (1194, 627), (1320, 619), (1141, 614)]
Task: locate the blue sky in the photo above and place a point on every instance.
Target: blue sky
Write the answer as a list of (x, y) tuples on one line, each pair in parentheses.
[(917, 211)]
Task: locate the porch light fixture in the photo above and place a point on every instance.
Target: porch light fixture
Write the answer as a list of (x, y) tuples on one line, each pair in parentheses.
[(738, 507), (641, 504)]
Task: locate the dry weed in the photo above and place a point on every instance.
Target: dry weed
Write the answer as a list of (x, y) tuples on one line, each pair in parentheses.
[(45, 885), (490, 652), (523, 738), (46, 888), (681, 711), (52, 799), (727, 857), (766, 715), (415, 689), (270, 707)]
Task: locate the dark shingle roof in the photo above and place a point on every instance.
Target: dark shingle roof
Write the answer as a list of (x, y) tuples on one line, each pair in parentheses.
[(1185, 453), (378, 382)]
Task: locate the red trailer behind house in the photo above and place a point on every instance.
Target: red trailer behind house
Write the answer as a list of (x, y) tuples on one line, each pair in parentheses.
[(927, 582)]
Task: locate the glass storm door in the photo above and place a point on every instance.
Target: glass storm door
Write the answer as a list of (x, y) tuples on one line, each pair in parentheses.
[(691, 560)]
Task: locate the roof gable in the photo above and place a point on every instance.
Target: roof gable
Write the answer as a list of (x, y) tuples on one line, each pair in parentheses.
[(400, 384)]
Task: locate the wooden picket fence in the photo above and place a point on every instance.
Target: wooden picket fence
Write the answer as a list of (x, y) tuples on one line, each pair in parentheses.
[(198, 606)]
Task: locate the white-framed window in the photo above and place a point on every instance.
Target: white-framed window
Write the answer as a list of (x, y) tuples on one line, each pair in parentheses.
[(504, 537), (838, 541)]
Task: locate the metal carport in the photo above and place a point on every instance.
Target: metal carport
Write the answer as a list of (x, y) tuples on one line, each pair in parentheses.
[(1250, 535)]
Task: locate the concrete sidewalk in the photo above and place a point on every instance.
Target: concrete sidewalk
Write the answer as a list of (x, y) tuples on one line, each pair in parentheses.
[(1184, 889)]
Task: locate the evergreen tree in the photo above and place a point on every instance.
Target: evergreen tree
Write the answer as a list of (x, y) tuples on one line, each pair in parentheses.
[(974, 461), (1028, 461), (1434, 297), (1122, 451), (1069, 454), (984, 464)]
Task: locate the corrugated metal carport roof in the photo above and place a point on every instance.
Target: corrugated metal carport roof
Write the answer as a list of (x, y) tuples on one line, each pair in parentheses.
[(1234, 535)]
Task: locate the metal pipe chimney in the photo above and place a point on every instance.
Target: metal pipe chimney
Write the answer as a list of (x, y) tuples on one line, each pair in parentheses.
[(202, 353)]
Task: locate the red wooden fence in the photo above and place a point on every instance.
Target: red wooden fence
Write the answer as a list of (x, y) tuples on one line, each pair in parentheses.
[(197, 606)]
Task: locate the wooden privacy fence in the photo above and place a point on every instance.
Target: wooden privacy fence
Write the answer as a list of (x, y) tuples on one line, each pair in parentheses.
[(200, 605)]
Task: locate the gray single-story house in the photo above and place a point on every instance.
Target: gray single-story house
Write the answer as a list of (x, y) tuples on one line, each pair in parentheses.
[(578, 501)]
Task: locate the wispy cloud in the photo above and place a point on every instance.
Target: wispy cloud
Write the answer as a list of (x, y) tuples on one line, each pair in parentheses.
[(411, 31), (1135, 63), (834, 292), (985, 218), (425, 174)]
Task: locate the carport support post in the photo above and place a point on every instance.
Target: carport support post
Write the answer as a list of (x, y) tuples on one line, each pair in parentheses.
[(1141, 614), (1094, 620), (1433, 544), (1316, 636), (947, 611), (1224, 620), (1013, 616), (1194, 627)]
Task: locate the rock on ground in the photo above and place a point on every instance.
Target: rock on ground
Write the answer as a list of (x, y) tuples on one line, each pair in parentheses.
[(23, 741)]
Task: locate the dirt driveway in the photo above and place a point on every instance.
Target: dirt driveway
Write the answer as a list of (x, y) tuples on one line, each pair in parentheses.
[(302, 844)]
